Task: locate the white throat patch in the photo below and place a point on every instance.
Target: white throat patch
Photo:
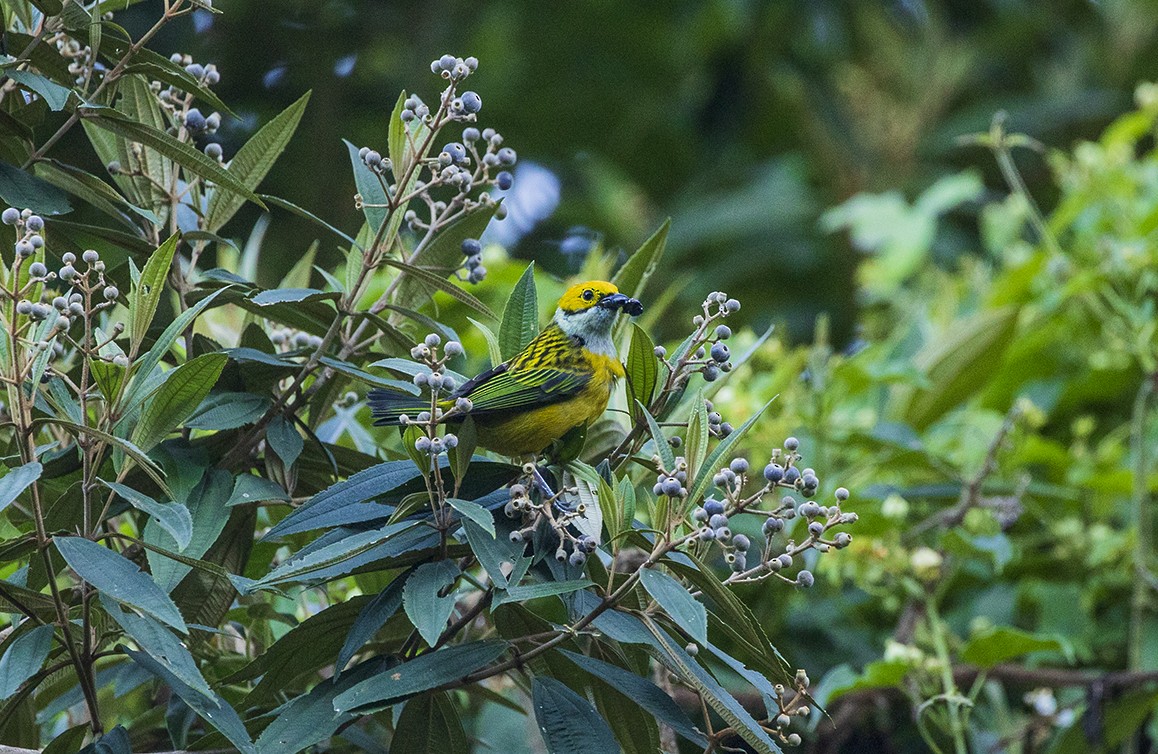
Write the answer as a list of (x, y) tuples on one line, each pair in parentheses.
[(592, 325)]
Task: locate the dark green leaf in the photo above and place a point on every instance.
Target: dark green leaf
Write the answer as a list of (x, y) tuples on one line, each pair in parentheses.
[(305, 214), (444, 253), (569, 723), (642, 692), (423, 599), (662, 446), (19, 188), (439, 282), (635, 272), (253, 161), (475, 512), (371, 618), (521, 316), (132, 451), (147, 292), (427, 671), (642, 366), (22, 657), (118, 578), (216, 711), (178, 151), (284, 440), (524, 592), (228, 411), (16, 481), (172, 517), (162, 645), (180, 394), (429, 724), (675, 599), (55, 95)]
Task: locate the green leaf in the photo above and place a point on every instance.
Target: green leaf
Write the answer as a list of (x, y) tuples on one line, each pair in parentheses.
[(369, 186), (1004, 643), (370, 619), (697, 439), (642, 692), (310, 718), (132, 451), (427, 671), (206, 502), (293, 296), (461, 454), (284, 440), (172, 517), (429, 723), (55, 95), (662, 446), (959, 364), (475, 512), (118, 578), (19, 188), (147, 292), (162, 645), (635, 272), (675, 599), (86, 186), (183, 154), (396, 136), (443, 254), (716, 697), (216, 711), (254, 160), (23, 657), (143, 368), (307, 566), (521, 316), (16, 481), (569, 723), (305, 214), (228, 411), (704, 478), (439, 282), (642, 366), (425, 605), (496, 353), (180, 394), (492, 552), (525, 592)]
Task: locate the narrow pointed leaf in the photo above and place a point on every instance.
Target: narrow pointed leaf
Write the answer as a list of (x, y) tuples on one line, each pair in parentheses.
[(172, 517), (521, 316), (427, 609), (675, 599), (569, 723), (22, 658), (16, 481), (179, 396)]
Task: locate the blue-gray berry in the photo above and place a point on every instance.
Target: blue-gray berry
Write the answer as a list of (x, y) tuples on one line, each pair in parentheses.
[(194, 120), (720, 352), (805, 579), (10, 216), (723, 332), (713, 507), (791, 474), (471, 102), (718, 521), (773, 472), (504, 180), (471, 247), (507, 156), (671, 487), (791, 444), (35, 223), (741, 542), (739, 465), (456, 151)]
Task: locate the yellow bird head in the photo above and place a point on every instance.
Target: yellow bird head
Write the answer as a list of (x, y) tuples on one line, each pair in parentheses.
[(588, 310)]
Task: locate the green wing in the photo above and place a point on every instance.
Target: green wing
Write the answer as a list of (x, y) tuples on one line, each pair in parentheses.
[(503, 389)]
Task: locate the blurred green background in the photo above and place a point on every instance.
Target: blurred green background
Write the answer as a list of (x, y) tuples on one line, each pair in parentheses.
[(743, 121)]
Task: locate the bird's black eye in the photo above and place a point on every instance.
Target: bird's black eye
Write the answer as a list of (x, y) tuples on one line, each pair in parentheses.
[(588, 295)]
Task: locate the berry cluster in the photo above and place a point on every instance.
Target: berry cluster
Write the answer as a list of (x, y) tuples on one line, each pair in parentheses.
[(440, 384), (287, 339), (453, 180), (736, 497), (710, 355), (87, 295), (549, 513)]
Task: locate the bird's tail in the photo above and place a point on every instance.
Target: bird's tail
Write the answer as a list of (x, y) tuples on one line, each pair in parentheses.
[(388, 405)]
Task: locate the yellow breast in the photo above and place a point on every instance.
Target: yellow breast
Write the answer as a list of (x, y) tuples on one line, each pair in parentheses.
[(533, 430)]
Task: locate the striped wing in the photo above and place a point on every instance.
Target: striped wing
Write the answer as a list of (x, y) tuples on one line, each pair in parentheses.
[(505, 389)]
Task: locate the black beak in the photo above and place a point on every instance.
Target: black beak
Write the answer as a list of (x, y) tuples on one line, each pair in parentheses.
[(620, 301)]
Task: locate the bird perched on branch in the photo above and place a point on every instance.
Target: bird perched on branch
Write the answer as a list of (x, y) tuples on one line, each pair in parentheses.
[(560, 381)]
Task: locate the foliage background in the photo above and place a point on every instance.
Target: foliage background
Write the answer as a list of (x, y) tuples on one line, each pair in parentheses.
[(937, 351)]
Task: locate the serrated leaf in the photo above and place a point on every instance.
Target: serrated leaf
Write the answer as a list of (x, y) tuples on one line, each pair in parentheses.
[(183, 154), (635, 272), (427, 671), (254, 160), (520, 322), (216, 711), (425, 605), (495, 352), (430, 723), (172, 517), (16, 480), (475, 512), (159, 642), (118, 578), (677, 602), (147, 292), (439, 282), (444, 253), (642, 692), (371, 618), (179, 396), (322, 560), (697, 439), (23, 657), (569, 723), (284, 440), (228, 410), (374, 199), (642, 366)]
